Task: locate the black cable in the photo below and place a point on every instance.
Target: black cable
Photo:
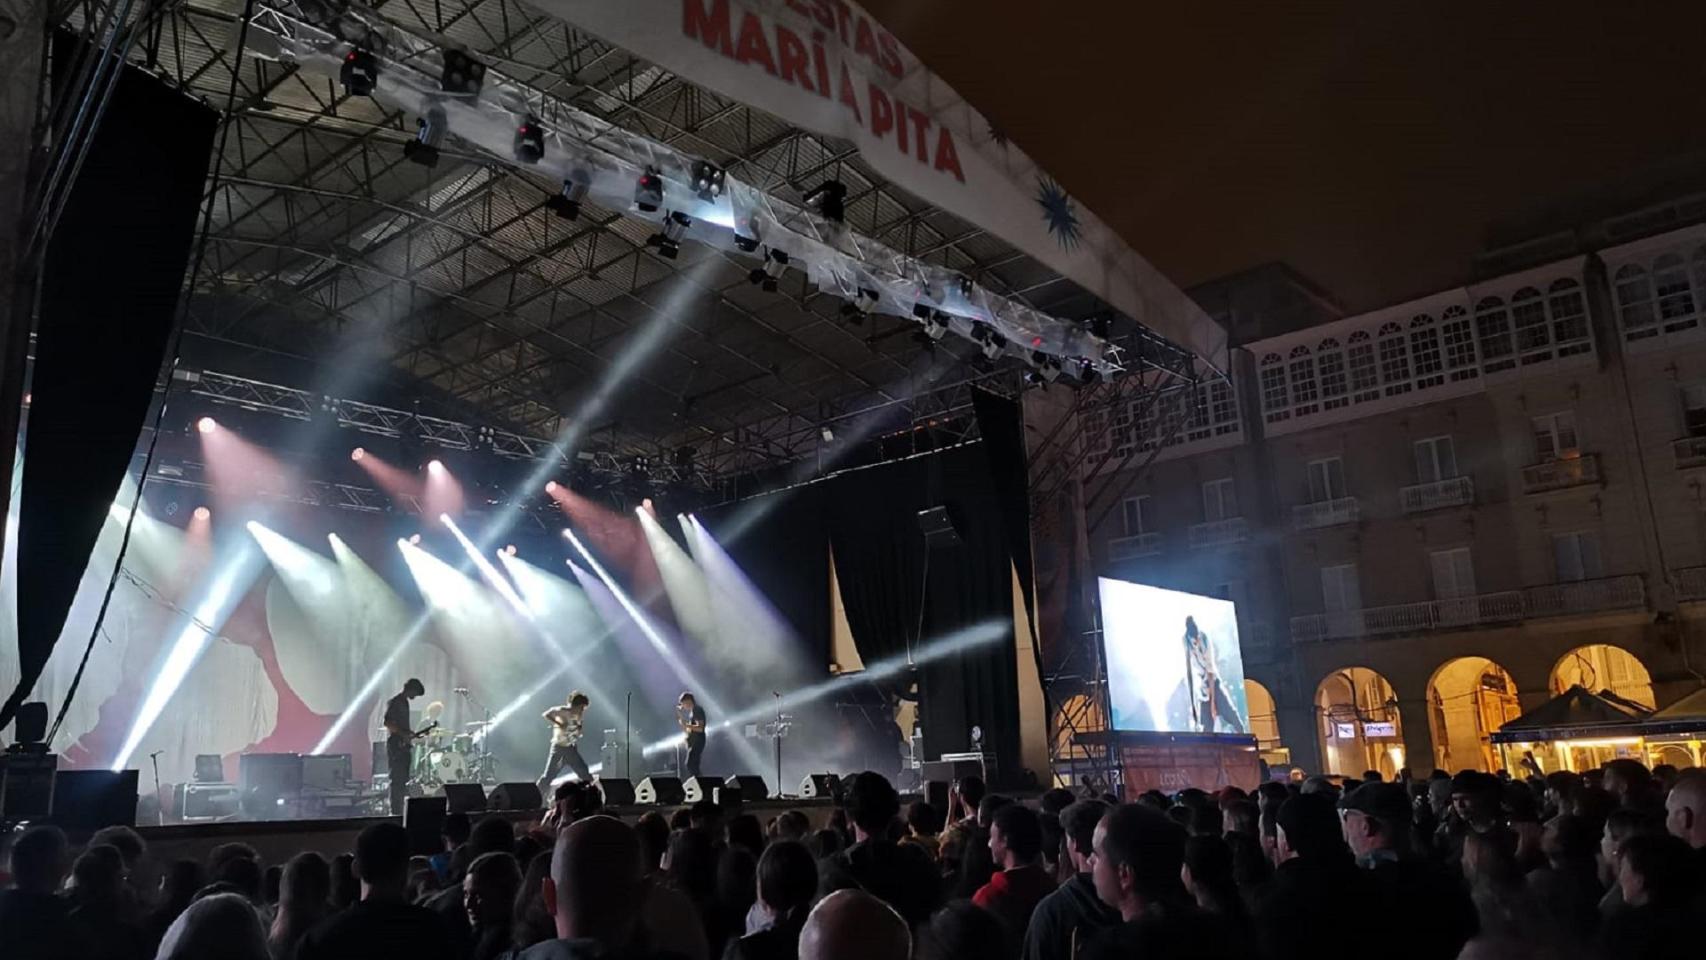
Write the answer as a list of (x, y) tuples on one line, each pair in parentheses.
[(176, 352)]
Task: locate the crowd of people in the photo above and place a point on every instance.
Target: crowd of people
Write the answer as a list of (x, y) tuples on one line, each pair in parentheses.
[(1609, 863)]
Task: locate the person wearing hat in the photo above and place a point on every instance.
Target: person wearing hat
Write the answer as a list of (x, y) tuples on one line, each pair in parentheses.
[(1316, 885), (1422, 897), (1474, 808)]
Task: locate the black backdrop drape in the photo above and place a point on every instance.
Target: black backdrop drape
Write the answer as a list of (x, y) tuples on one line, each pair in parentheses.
[(109, 295), (786, 556)]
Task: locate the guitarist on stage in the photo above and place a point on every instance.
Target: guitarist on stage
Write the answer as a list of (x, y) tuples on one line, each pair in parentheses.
[(567, 722), (691, 718), (398, 740)]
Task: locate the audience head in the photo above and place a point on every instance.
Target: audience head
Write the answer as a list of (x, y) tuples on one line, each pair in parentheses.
[(1207, 874), (220, 927), (594, 887), (1308, 827), (826, 843), (787, 878), (270, 881), (129, 844), (1376, 816), (693, 864), (1139, 855), (793, 825), (737, 880), (346, 889), (241, 875), (706, 815), (457, 828), (1621, 826), (1015, 837), (489, 889), (307, 882), (746, 832), (653, 831), (1241, 816), (1685, 808), (1055, 800), (986, 808), (963, 931), (922, 819), (681, 819), (972, 791), (491, 835), (98, 875), (534, 921), (180, 881), (1475, 796), (38, 859), (872, 804), (1628, 780), (228, 851), (1079, 822), (1568, 840), (382, 860), (853, 925), (1489, 858), (1655, 869)]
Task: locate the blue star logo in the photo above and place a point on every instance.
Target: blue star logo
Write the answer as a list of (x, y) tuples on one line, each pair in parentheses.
[(1059, 213)]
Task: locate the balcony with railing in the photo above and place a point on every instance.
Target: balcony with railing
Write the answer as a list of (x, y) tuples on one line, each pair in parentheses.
[(1450, 492), (1488, 609), (1133, 547), (1219, 533), (1690, 452), (1325, 513), (1561, 474)]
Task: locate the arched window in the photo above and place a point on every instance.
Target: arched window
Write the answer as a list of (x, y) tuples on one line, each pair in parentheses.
[(1670, 288), (1424, 352), (1493, 330), (1459, 335), (1569, 317), (1634, 290), (1275, 398), (1365, 375), (1394, 359), (1303, 388), (1330, 364), (1528, 317)]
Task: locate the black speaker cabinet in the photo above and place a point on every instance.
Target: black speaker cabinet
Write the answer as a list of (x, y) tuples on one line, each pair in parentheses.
[(938, 527), (26, 785), (616, 792), (465, 797), (209, 768), (747, 787), (30, 723), (660, 790), (515, 796), (936, 794), (820, 786), (423, 820), (92, 799)]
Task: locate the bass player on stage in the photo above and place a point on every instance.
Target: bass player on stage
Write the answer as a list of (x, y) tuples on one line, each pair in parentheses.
[(567, 724), (691, 717)]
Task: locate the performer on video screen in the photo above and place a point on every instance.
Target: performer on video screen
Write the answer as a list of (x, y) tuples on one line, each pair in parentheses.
[(399, 739), (691, 717), (567, 725), (1210, 705)]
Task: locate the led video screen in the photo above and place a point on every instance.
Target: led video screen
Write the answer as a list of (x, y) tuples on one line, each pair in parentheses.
[(1173, 660)]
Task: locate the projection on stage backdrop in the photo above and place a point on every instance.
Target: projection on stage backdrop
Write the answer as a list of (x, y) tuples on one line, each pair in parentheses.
[(1173, 660)]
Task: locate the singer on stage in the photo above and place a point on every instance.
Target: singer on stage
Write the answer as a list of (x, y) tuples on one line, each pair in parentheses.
[(691, 717), (566, 728), (398, 740)]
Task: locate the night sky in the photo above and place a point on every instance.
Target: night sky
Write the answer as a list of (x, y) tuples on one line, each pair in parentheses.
[(1372, 149)]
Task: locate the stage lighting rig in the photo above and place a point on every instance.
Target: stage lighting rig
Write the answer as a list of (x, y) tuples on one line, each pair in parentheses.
[(1099, 325), (359, 73), (1087, 372), (1046, 368), (829, 199), (648, 192), (993, 343), (567, 204), (935, 324), (857, 309), (529, 141), (429, 135), (668, 243), (462, 74), (707, 181), (766, 276)]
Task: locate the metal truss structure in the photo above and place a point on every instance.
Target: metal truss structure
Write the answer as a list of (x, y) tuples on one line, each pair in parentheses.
[(487, 307)]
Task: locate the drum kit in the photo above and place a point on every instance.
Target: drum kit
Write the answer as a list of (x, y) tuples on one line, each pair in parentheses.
[(446, 757)]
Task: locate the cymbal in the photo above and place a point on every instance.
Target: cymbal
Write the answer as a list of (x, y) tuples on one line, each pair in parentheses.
[(477, 724)]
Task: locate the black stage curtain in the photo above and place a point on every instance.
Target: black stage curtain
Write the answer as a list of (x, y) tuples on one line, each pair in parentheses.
[(1001, 422), (109, 296), (880, 561), (786, 555)]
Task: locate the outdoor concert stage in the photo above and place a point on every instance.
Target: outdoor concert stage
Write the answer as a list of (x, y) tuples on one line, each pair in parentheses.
[(279, 840)]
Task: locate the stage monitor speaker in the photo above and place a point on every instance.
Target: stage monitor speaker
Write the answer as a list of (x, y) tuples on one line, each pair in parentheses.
[(515, 796), (937, 525), (661, 791), (936, 794), (616, 792), (26, 786), (381, 760), (92, 799), (702, 787), (327, 771), (819, 786), (747, 787), (465, 797), (30, 725), (423, 820), (209, 768)]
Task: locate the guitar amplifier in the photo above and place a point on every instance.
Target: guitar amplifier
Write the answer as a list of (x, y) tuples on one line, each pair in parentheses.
[(206, 802), (326, 771)]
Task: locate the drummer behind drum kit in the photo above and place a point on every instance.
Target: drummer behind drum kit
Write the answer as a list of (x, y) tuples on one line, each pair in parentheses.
[(444, 757)]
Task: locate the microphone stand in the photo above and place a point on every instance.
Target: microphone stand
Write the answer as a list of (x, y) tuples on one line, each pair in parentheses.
[(628, 739), (778, 738), (159, 801)]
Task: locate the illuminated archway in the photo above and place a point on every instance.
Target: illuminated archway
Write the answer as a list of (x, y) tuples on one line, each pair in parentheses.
[(1469, 698), (1358, 723), (1264, 722), (1601, 666)]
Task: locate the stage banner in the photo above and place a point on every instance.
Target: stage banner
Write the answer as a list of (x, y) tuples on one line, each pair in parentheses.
[(829, 67), (1172, 765)]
